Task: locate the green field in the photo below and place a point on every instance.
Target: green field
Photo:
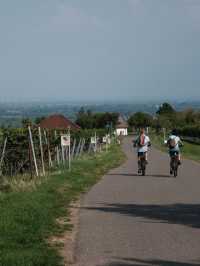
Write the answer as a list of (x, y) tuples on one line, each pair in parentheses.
[(28, 219), (190, 151)]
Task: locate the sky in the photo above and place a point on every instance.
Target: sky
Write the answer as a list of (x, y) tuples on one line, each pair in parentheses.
[(79, 50)]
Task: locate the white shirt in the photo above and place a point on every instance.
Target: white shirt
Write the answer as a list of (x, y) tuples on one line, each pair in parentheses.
[(177, 140), (144, 148)]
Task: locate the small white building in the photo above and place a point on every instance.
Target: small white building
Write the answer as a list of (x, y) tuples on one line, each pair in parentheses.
[(122, 127)]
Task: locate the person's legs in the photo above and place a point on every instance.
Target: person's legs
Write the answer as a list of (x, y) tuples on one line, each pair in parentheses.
[(170, 155), (171, 171), (146, 157), (139, 164), (179, 156)]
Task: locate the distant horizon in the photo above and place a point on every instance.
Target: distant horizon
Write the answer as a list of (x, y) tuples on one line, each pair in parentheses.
[(93, 101), (122, 99)]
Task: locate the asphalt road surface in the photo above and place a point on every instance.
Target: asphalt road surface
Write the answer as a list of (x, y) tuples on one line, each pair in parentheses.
[(128, 219)]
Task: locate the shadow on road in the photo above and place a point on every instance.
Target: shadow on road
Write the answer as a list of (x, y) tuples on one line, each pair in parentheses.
[(183, 214), (137, 175), (138, 262)]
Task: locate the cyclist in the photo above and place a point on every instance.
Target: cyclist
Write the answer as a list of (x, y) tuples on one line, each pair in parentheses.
[(142, 142), (174, 142)]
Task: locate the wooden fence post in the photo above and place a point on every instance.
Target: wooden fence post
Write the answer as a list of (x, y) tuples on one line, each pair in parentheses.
[(3, 154), (58, 155), (63, 154), (33, 151), (73, 148), (78, 148), (30, 157), (69, 149), (49, 151), (41, 151), (95, 142), (57, 150), (90, 147), (48, 148), (82, 146)]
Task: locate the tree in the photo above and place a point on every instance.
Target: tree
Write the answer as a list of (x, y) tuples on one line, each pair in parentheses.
[(85, 119), (190, 116), (39, 119), (165, 109), (140, 119), (89, 120), (26, 122)]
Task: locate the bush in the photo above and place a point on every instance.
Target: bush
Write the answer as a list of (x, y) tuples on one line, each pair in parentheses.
[(190, 131)]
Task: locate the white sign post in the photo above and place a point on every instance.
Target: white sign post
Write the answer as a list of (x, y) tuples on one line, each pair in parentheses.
[(108, 139), (164, 134), (66, 142), (94, 142), (105, 141)]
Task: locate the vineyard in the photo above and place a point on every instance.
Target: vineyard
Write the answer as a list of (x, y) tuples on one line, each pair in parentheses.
[(35, 151)]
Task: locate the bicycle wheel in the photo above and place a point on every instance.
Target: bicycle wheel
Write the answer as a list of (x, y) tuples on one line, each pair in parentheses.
[(143, 167), (172, 167), (175, 173), (143, 172), (139, 167), (176, 169)]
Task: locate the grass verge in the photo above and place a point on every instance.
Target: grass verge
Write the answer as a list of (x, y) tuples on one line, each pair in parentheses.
[(28, 218), (189, 150)]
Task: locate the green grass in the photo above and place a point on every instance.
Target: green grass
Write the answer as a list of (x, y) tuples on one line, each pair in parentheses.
[(189, 150), (28, 218)]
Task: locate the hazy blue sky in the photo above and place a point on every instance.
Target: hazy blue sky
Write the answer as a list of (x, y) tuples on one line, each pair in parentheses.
[(100, 49)]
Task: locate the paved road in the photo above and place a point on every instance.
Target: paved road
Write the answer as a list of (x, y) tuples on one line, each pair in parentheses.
[(131, 220)]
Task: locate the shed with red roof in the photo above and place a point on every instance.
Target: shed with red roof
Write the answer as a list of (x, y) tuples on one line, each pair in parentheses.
[(58, 121)]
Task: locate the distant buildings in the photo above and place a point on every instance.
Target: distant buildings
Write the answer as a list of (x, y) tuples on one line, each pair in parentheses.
[(122, 127), (58, 121)]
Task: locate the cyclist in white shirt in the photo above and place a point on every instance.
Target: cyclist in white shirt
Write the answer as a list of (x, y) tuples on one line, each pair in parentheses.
[(174, 142), (142, 143)]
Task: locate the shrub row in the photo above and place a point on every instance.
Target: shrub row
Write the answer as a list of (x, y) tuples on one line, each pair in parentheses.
[(190, 131)]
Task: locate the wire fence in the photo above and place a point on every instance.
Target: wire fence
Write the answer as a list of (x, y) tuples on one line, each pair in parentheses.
[(36, 151)]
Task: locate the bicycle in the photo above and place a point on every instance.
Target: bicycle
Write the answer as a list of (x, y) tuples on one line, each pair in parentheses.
[(174, 163), (142, 163)]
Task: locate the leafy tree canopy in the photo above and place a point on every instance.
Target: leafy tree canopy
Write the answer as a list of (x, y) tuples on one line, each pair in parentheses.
[(26, 122), (39, 119), (140, 119), (88, 120), (165, 109)]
